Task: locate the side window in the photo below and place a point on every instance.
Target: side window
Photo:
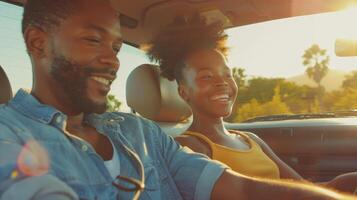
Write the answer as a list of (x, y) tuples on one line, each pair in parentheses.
[(17, 65), (13, 56), (130, 57)]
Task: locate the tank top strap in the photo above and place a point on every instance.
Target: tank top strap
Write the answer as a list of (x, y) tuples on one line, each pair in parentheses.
[(201, 137), (253, 144)]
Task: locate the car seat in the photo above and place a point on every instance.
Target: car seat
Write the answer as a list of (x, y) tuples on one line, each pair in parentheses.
[(156, 98), (5, 87)]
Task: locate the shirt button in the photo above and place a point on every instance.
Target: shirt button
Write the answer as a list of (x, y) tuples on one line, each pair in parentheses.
[(59, 119), (84, 148)]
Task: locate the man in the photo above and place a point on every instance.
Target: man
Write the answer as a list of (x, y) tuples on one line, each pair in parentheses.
[(60, 131)]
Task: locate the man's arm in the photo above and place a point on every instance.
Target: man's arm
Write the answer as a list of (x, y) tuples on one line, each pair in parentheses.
[(232, 185), (194, 174), (44, 187), (14, 184)]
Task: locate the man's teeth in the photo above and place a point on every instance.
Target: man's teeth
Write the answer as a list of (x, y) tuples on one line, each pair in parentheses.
[(222, 97), (101, 80)]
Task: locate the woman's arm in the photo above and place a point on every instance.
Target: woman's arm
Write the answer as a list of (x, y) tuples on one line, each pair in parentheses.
[(345, 182), (232, 185), (286, 172)]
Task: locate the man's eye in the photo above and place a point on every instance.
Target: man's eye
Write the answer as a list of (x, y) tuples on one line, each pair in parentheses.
[(92, 40), (116, 49)]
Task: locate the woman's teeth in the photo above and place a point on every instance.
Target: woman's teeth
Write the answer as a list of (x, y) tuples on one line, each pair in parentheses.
[(222, 97)]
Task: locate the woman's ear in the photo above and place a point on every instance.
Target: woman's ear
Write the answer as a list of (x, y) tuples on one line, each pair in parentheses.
[(182, 90)]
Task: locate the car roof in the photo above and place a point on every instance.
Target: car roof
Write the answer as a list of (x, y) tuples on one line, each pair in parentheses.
[(142, 19)]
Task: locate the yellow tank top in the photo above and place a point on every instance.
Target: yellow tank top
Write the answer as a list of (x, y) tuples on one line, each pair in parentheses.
[(251, 162)]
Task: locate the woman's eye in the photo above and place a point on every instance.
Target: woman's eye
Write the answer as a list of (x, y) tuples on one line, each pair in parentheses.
[(229, 76), (208, 76)]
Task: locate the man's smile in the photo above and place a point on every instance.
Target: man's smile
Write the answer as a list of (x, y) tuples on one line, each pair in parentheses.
[(102, 80)]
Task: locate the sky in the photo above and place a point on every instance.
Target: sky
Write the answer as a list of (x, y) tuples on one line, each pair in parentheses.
[(275, 48), (269, 49)]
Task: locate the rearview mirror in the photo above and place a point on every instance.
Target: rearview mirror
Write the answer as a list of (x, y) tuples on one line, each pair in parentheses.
[(346, 47)]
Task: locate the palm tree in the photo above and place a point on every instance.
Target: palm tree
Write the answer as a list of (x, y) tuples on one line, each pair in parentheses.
[(316, 62)]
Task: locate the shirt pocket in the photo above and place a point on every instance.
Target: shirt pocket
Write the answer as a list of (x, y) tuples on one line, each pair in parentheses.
[(152, 183)]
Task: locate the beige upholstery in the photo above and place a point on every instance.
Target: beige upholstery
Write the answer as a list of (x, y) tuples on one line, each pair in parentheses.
[(5, 88), (157, 99)]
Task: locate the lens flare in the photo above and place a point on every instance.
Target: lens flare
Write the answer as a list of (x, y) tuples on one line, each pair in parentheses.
[(33, 159)]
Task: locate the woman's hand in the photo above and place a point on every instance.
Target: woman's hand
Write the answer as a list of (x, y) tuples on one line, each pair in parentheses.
[(345, 182)]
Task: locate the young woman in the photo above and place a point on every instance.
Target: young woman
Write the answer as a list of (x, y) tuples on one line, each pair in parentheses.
[(195, 56)]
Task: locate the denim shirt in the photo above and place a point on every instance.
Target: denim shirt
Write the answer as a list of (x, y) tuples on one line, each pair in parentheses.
[(171, 171)]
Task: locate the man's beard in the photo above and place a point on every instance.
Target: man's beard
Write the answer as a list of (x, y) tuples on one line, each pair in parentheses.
[(72, 78)]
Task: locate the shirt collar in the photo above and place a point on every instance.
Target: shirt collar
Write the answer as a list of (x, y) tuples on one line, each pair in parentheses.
[(29, 106)]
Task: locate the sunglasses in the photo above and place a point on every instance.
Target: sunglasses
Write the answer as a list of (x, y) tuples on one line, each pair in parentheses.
[(129, 184)]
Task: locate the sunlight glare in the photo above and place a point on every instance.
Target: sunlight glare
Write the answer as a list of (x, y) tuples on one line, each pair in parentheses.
[(345, 23), (33, 160)]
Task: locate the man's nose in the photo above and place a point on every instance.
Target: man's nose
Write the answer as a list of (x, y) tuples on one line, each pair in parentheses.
[(111, 60)]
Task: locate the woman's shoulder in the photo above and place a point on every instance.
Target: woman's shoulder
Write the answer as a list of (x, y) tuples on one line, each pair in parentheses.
[(194, 143), (249, 135)]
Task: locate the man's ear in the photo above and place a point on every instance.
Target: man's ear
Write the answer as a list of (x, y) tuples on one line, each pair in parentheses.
[(36, 41), (182, 90)]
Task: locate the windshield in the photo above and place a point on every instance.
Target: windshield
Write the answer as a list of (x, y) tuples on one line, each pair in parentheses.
[(289, 66), (282, 67)]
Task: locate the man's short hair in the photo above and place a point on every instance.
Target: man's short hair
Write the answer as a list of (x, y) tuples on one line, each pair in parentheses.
[(46, 14)]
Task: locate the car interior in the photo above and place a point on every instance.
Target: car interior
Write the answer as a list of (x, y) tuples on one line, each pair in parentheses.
[(318, 149), (158, 99), (318, 152)]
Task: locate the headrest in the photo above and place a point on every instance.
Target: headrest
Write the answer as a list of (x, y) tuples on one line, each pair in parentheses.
[(5, 88), (155, 97)]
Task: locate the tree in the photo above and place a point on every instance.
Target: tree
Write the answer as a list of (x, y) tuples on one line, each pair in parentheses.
[(347, 100), (239, 76), (260, 90), (350, 81), (297, 98), (254, 108), (248, 110), (316, 62), (113, 104)]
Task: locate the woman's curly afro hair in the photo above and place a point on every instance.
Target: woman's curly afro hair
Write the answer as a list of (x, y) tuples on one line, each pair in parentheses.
[(176, 41)]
